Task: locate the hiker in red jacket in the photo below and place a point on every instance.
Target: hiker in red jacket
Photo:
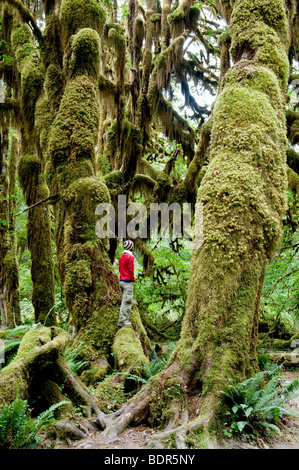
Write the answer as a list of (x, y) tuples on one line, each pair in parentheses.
[(126, 282)]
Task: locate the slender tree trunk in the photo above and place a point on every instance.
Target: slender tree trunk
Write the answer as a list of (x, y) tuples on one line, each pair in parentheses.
[(9, 280), (28, 85)]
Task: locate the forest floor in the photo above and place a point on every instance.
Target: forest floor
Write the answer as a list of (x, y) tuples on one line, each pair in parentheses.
[(137, 437)]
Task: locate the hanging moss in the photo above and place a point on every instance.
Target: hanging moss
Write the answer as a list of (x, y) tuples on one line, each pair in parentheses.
[(21, 40), (166, 62), (31, 72), (28, 165), (155, 17), (139, 34), (194, 14), (179, 17), (224, 38), (225, 8), (43, 120)]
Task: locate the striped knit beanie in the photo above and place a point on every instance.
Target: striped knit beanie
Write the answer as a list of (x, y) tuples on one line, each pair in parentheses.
[(128, 245)]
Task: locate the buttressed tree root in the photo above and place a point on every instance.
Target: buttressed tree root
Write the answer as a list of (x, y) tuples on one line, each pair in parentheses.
[(38, 373)]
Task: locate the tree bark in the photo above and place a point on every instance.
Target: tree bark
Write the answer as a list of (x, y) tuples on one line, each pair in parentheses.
[(9, 280)]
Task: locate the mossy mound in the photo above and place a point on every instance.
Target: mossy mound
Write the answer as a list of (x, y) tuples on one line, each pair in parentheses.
[(127, 351), (110, 393)]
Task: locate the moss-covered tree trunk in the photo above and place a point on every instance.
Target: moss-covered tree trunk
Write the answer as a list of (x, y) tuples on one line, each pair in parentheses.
[(9, 280), (90, 285), (244, 198), (39, 239), (30, 171)]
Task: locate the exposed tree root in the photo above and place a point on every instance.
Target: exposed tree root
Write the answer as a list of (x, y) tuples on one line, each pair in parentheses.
[(176, 432), (133, 412)]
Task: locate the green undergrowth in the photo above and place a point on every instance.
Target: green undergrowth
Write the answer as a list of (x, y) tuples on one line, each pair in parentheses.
[(257, 406), (18, 430)]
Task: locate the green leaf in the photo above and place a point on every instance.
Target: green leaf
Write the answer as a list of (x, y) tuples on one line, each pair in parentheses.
[(248, 411), (241, 425)]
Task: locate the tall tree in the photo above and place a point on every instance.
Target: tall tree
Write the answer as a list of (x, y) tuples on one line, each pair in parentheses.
[(95, 97), (244, 198)]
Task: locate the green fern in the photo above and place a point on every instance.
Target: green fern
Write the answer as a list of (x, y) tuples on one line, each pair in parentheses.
[(70, 357), (258, 402), (17, 429)]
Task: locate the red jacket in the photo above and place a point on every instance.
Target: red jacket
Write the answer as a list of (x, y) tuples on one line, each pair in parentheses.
[(126, 267)]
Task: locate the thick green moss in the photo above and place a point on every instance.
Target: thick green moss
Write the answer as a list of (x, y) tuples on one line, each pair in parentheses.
[(21, 40), (260, 30), (96, 372), (31, 74), (53, 86), (167, 398), (224, 38), (77, 14), (243, 194), (28, 166), (43, 120), (269, 12), (30, 357), (110, 394), (127, 351), (85, 56), (73, 134), (39, 238)]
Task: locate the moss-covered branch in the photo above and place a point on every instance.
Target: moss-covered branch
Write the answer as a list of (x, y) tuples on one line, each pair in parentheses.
[(187, 190), (28, 18), (49, 200)]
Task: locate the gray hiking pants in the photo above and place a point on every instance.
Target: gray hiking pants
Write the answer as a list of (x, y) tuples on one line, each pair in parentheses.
[(127, 289)]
